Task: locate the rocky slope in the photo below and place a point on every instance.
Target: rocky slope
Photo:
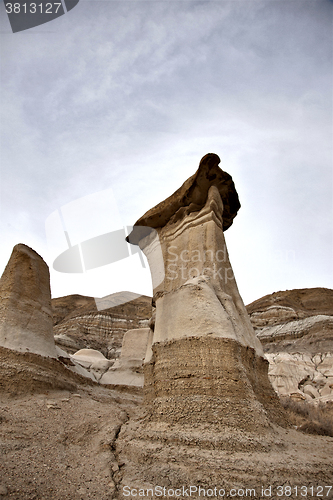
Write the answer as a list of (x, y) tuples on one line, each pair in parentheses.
[(57, 431), (64, 436), (78, 324), (296, 330)]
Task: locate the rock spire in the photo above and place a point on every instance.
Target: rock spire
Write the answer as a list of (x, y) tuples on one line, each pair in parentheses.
[(206, 363), (25, 304)]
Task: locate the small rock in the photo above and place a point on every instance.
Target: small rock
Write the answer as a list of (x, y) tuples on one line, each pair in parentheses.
[(311, 391), (326, 390), (3, 490)]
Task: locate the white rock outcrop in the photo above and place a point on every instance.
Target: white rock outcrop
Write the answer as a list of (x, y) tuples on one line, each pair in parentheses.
[(293, 329), (91, 360), (303, 374), (127, 370)]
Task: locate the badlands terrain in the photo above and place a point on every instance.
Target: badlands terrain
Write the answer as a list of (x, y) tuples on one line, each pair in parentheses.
[(64, 436)]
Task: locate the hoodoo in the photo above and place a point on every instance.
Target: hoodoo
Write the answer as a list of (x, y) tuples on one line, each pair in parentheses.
[(206, 364)]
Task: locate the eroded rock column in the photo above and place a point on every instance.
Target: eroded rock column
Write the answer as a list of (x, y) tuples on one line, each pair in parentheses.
[(206, 364), (25, 304)]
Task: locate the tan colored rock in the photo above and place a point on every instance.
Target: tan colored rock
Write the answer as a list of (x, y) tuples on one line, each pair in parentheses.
[(207, 364), (296, 330), (218, 316), (192, 252), (287, 371), (128, 369), (273, 315), (90, 358), (306, 329), (304, 301), (25, 304), (295, 321), (135, 344), (298, 396), (300, 372), (327, 390)]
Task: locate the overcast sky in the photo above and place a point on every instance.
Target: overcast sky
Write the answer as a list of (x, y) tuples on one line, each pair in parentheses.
[(108, 109)]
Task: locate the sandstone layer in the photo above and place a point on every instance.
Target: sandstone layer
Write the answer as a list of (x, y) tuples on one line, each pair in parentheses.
[(213, 381), (227, 463), (25, 304), (301, 303)]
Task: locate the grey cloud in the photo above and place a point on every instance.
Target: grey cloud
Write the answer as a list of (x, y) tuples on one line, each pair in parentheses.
[(130, 95)]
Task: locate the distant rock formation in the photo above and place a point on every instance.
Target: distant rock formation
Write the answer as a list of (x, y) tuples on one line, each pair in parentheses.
[(296, 330), (207, 364), (128, 369), (80, 325), (25, 304)]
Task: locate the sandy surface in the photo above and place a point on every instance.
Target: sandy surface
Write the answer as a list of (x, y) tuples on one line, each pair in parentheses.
[(59, 444)]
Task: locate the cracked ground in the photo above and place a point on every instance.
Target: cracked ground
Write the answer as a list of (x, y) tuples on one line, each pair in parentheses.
[(60, 444)]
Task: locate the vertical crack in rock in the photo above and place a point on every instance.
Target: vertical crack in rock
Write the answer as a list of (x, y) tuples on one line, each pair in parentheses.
[(116, 463)]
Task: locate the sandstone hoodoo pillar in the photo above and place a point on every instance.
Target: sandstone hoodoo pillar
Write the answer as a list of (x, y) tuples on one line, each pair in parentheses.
[(206, 364), (26, 322)]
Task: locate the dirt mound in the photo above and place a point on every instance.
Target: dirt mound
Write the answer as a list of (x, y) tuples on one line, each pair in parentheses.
[(63, 306), (22, 373)]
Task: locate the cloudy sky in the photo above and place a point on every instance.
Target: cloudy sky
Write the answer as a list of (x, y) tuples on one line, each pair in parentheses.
[(108, 109)]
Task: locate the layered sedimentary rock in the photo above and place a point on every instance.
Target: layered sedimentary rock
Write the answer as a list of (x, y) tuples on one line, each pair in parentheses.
[(288, 305), (25, 304), (296, 330), (80, 325), (206, 364)]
